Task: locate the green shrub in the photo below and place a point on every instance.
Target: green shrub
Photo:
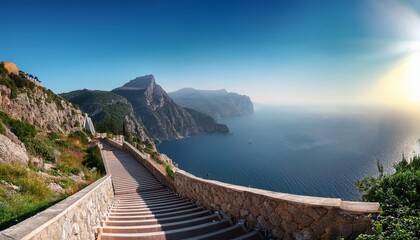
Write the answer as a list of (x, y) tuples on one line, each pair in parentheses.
[(169, 171), (93, 159), (79, 135), (399, 196), (53, 135), (38, 148), (22, 130)]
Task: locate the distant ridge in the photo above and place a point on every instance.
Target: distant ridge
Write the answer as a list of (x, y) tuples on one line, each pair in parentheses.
[(216, 103)]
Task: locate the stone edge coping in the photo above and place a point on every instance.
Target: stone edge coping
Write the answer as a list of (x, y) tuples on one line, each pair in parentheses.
[(351, 206), (35, 224)]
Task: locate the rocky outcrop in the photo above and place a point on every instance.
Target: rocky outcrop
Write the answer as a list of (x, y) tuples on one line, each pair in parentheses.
[(12, 152), (11, 67), (216, 103), (40, 109), (159, 113)]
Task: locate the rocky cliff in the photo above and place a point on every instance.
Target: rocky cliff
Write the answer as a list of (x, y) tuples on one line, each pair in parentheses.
[(109, 112), (207, 123), (24, 100), (163, 118), (216, 103)]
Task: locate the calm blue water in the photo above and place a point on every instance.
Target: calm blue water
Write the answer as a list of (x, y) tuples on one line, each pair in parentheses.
[(298, 150)]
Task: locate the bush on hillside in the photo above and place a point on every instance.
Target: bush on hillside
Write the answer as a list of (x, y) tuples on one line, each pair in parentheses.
[(79, 135), (93, 159), (399, 196), (38, 148)]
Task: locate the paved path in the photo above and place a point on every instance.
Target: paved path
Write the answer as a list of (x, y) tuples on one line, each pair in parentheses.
[(145, 209)]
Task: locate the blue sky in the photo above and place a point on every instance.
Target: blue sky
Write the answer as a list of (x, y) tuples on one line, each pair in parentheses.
[(287, 52)]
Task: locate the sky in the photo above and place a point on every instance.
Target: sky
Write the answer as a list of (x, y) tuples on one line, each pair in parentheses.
[(278, 52)]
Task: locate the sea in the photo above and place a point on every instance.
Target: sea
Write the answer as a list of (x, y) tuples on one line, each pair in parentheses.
[(314, 151)]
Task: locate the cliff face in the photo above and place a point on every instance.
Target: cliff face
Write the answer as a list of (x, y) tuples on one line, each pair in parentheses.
[(162, 117), (216, 103), (24, 100), (109, 112), (206, 122)]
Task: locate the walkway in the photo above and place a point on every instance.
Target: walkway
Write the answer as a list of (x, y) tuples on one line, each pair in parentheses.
[(145, 209)]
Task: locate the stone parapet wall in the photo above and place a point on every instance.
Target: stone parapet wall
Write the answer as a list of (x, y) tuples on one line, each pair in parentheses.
[(284, 216), (76, 217)]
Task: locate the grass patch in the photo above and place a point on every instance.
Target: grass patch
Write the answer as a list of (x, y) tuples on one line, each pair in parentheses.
[(32, 197)]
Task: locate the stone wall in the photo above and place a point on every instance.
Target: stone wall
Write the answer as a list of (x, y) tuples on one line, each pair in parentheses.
[(284, 216), (76, 217)]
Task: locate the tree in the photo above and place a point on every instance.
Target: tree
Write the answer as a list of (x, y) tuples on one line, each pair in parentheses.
[(399, 196)]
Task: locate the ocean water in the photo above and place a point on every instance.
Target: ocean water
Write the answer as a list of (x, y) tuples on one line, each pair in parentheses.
[(299, 150)]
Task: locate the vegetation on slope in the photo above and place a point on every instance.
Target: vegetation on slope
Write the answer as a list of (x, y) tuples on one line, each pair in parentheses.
[(108, 110), (399, 196), (26, 191)]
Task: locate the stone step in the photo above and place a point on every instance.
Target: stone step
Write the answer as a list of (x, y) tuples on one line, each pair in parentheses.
[(182, 233), (146, 195), (149, 205), (138, 199), (154, 220), (249, 236), (156, 216), (136, 190), (224, 233), (150, 209), (153, 212), (160, 227), (168, 198)]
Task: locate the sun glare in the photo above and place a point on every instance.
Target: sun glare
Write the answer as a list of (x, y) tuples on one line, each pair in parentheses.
[(400, 87), (413, 78)]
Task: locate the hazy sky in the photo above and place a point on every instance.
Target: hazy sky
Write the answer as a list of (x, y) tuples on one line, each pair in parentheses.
[(274, 51)]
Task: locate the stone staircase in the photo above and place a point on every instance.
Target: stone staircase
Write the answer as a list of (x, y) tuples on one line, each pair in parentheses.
[(145, 209)]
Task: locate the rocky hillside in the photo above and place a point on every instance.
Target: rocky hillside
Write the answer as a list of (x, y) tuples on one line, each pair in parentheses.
[(44, 157), (109, 112), (163, 118), (207, 123), (26, 100), (216, 103)]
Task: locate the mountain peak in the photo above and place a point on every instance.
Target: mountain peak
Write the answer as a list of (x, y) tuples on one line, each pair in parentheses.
[(141, 82)]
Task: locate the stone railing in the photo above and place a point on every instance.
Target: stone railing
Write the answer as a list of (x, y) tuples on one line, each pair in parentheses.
[(284, 216), (76, 217)]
